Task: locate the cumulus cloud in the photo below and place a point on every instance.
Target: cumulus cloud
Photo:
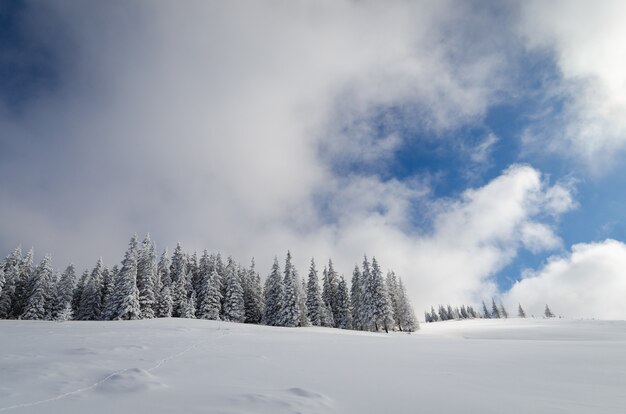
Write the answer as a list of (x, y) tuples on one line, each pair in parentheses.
[(224, 130), (585, 40), (588, 282)]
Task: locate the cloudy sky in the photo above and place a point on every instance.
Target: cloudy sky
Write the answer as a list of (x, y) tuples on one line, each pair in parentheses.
[(477, 148)]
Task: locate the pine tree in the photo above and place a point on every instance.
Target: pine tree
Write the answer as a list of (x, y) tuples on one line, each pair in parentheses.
[(520, 311), (38, 304), (146, 274), (273, 296), (486, 313), (329, 289), (303, 318), (234, 310), (253, 296), (90, 308), (344, 317), (289, 312), (495, 312), (1, 279), (163, 271), (63, 293), (188, 307), (78, 292), (126, 289), (179, 296), (326, 316), (503, 313), (406, 320), (381, 312), (313, 296), (12, 269), (165, 304), (23, 285), (548, 313), (107, 285), (356, 299), (433, 315), (394, 300)]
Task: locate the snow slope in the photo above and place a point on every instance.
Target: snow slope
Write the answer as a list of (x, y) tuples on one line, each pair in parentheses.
[(196, 366)]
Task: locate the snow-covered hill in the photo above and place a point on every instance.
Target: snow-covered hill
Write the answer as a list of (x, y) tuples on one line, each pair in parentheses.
[(197, 366)]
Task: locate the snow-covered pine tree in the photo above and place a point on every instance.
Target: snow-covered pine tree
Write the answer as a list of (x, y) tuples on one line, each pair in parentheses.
[(450, 312), (433, 315), (107, 285), (78, 292), (367, 297), (392, 290), (1, 279), (547, 312), (303, 318), (253, 295), (90, 308), (329, 288), (273, 296), (356, 299), (163, 271), (12, 270), (503, 313), (234, 310), (289, 312), (344, 317), (188, 307), (63, 293), (146, 274), (326, 316), (495, 312), (23, 285), (313, 296), (520, 311), (406, 320), (179, 296), (39, 298), (486, 313), (178, 268), (126, 290), (165, 304), (382, 312), (220, 267), (443, 313)]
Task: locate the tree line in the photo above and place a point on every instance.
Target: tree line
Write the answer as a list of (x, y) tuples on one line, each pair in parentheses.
[(445, 313), (205, 287)]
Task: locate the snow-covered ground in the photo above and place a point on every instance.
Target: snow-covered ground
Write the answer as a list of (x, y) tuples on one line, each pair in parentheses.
[(197, 366)]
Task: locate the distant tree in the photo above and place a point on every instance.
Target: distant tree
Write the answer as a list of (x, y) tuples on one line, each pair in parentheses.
[(548, 313), (495, 312), (126, 292), (503, 313), (165, 303), (90, 308), (405, 320), (313, 296), (356, 299), (23, 285), (289, 313), (486, 313), (78, 293), (234, 310), (252, 295), (344, 317), (433, 315), (329, 288), (63, 292), (40, 295), (163, 271), (326, 316), (146, 275), (274, 289), (12, 269), (520, 311)]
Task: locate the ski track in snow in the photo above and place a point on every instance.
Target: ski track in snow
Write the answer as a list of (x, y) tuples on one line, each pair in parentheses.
[(158, 364)]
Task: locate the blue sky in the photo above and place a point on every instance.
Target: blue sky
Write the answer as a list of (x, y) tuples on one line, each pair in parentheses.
[(476, 148)]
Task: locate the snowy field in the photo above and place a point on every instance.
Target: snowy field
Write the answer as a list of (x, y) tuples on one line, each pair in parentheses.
[(197, 366)]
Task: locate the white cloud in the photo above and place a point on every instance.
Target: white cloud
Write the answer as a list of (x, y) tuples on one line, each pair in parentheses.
[(589, 282), (586, 39), (215, 127)]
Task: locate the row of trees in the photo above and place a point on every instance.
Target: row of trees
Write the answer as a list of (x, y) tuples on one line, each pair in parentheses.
[(206, 287), (445, 313)]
